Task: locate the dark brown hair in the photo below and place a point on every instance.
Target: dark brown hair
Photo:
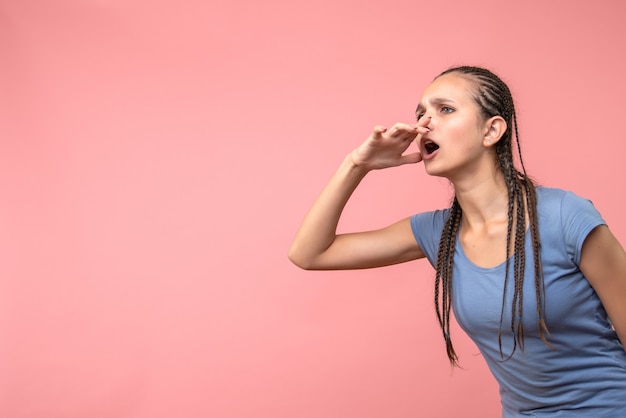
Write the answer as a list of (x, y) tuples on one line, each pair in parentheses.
[(494, 98)]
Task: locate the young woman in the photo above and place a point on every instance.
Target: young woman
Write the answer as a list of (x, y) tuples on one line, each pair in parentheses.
[(533, 274)]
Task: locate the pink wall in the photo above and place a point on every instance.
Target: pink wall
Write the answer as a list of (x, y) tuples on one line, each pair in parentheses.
[(156, 158)]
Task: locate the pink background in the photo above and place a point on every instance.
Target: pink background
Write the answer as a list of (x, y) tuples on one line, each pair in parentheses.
[(156, 158)]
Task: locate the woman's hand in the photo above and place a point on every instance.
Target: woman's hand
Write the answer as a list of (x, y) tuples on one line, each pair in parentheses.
[(385, 147)]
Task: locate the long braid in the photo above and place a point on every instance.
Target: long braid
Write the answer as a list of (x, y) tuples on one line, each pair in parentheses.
[(542, 327), (520, 263), (443, 277), (509, 230), (533, 221), (494, 99)]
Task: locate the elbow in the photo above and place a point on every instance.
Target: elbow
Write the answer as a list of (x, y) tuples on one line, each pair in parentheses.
[(299, 260), (300, 264)]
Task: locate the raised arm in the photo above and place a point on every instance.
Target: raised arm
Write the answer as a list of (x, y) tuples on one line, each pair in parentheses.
[(317, 245), (603, 263)]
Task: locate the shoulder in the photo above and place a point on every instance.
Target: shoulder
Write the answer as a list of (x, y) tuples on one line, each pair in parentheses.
[(565, 220), (427, 228), (429, 221), (555, 201), (552, 194)]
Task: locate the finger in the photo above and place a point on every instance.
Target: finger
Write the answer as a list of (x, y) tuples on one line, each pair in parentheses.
[(402, 131), (421, 130), (378, 131), (401, 127), (407, 136)]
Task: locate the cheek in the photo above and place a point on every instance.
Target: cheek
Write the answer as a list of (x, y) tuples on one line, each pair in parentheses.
[(464, 132)]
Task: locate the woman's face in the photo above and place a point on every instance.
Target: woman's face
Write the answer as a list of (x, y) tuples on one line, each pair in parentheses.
[(454, 146)]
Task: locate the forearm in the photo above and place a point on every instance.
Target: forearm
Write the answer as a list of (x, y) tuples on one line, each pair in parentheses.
[(319, 227)]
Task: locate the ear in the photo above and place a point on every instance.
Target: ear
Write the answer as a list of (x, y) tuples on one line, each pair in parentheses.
[(495, 127)]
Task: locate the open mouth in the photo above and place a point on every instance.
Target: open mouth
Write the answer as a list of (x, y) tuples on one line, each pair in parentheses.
[(430, 147)]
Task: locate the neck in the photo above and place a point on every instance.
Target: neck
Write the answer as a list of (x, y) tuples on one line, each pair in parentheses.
[(483, 198)]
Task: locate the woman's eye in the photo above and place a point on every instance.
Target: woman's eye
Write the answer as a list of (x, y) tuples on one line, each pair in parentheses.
[(447, 109), (419, 116)]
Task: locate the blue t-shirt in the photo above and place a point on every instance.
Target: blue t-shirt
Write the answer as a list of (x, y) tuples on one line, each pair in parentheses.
[(584, 373)]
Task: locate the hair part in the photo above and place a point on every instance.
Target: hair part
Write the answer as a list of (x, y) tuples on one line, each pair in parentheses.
[(494, 98)]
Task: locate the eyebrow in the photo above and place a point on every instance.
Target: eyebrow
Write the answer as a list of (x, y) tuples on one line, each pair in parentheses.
[(435, 101)]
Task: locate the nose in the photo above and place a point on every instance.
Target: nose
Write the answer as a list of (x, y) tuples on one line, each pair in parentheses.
[(426, 121)]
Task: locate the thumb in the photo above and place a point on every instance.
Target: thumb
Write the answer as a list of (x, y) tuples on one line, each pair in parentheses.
[(412, 158)]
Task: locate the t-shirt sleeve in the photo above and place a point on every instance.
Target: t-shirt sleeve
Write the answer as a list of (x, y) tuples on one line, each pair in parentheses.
[(578, 218), (427, 229)]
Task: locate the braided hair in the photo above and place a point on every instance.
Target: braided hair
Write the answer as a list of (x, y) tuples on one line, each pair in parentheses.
[(494, 98)]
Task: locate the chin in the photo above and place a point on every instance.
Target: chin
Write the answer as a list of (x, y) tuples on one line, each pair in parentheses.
[(433, 171)]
